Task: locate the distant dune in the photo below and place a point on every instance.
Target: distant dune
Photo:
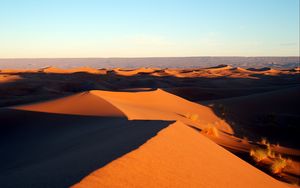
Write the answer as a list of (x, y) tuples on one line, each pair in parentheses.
[(71, 70)]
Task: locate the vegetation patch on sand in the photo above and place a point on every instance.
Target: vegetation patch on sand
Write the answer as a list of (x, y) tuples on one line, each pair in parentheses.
[(193, 117), (276, 162), (278, 165), (211, 130)]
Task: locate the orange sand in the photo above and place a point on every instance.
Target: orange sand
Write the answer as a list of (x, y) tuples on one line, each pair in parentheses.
[(73, 70), (179, 157), (78, 104), (6, 78), (145, 105), (132, 72)]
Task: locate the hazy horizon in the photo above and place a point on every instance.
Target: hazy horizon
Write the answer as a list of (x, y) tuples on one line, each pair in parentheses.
[(133, 57), (161, 62), (132, 28)]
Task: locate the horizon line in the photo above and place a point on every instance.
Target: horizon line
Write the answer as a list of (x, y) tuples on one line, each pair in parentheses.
[(136, 57)]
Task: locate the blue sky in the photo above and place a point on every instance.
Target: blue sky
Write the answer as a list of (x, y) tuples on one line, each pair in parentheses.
[(148, 28)]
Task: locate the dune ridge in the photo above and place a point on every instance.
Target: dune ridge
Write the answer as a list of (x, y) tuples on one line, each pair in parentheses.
[(79, 104), (56, 70), (132, 72), (178, 157), (143, 105), (211, 72)]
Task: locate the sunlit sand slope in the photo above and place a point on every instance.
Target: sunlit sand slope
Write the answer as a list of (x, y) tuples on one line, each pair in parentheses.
[(145, 105), (178, 157)]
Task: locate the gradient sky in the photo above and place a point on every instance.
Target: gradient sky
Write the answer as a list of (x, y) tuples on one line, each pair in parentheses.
[(148, 28)]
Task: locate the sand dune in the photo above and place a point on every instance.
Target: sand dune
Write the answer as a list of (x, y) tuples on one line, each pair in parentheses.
[(78, 104), (7, 78), (14, 71), (240, 69), (56, 70), (212, 72), (55, 150), (220, 67), (101, 119), (88, 70), (53, 70), (219, 71), (132, 72), (297, 69), (178, 157), (144, 105), (156, 104)]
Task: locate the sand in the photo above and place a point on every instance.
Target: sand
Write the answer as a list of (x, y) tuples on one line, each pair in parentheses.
[(115, 128), (55, 150), (78, 104), (35, 85), (143, 105), (178, 157), (133, 72), (7, 78), (56, 70)]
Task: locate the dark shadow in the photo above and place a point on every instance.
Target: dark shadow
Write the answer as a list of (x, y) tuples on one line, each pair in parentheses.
[(53, 150), (272, 115), (39, 86)]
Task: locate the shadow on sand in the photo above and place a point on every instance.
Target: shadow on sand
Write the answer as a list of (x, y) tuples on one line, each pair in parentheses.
[(53, 150)]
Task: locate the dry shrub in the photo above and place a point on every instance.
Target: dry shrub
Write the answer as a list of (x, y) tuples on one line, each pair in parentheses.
[(193, 117), (264, 141), (259, 154), (278, 162), (211, 130), (270, 153), (278, 165)]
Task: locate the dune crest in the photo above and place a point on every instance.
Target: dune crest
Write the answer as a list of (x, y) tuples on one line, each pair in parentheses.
[(143, 105), (78, 104), (212, 72), (220, 67), (52, 69), (179, 157), (56, 70), (133, 72)]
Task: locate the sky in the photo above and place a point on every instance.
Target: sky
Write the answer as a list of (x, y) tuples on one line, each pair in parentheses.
[(148, 28)]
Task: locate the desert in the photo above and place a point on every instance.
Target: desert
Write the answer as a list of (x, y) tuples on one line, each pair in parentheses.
[(149, 127), (149, 94)]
